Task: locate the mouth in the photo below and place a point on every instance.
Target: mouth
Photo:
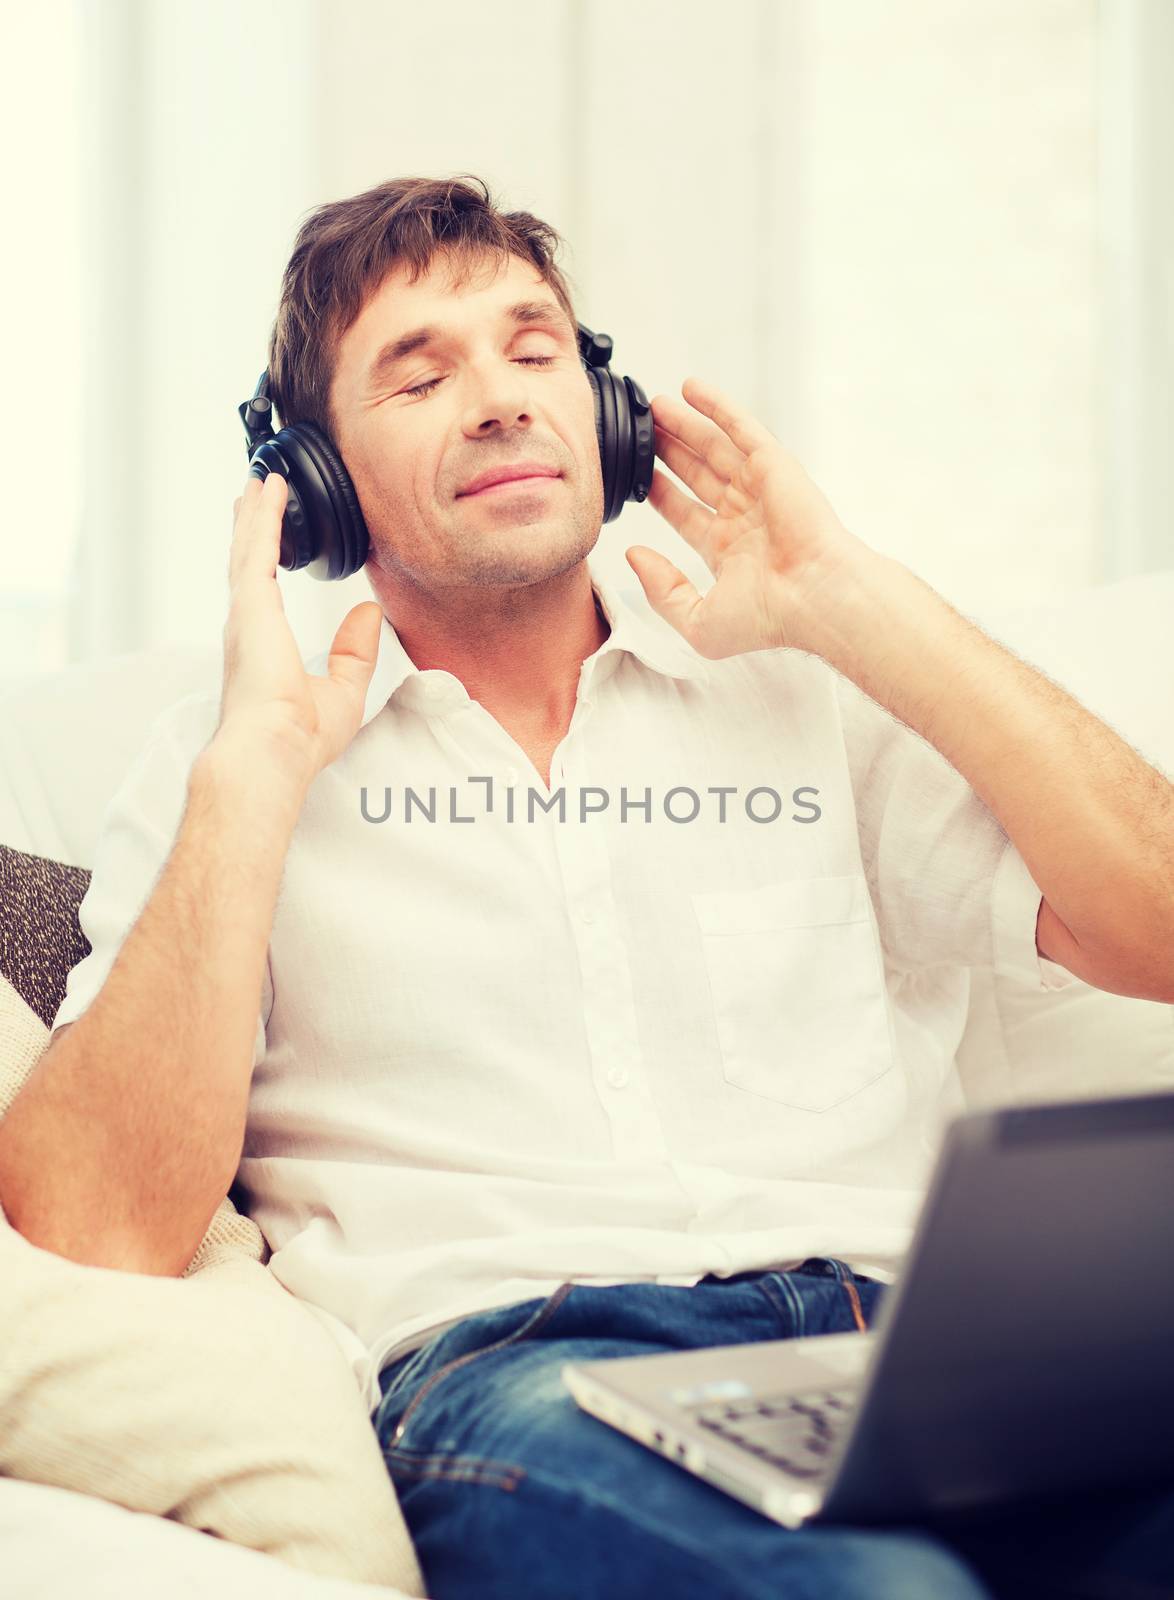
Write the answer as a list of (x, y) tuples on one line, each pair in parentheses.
[(528, 485)]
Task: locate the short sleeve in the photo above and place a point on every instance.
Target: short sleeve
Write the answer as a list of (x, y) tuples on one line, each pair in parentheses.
[(948, 884), (138, 829), (1015, 904)]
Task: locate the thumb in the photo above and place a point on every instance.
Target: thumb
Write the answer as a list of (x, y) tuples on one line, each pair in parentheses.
[(670, 594), (356, 645)]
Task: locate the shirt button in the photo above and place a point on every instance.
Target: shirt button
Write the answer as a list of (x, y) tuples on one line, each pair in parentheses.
[(586, 916), (617, 1077)]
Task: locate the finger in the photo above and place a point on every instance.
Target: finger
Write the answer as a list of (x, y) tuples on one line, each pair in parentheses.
[(690, 468), (745, 430), (670, 594), (251, 492), (705, 439), (356, 645), (691, 521), (242, 507), (259, 540)]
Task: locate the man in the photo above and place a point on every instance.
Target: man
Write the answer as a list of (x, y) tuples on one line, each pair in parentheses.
[(638, 1067)]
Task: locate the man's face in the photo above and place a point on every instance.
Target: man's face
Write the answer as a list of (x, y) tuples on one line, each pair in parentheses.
[(505, 391)]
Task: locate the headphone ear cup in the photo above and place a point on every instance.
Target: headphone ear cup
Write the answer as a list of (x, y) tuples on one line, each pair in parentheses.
[(603, 393), (297, 537), (623, 426), (323, 528), (637, 445)]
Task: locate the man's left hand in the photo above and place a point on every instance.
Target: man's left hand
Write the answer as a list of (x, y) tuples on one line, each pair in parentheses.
[(769, 536)]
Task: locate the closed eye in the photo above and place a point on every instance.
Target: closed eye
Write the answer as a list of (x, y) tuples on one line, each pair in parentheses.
[(427, 388)]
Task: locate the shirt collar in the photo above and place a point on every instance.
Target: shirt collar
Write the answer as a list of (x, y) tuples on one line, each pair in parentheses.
[(635, 627)]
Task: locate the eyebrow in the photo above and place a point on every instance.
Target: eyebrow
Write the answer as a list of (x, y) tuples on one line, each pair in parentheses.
[(526, 313)]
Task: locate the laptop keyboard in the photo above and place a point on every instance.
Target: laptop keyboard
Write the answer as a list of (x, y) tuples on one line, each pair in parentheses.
[(794, 1431)]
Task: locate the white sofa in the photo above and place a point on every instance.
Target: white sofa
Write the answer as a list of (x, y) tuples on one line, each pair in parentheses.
[(58, 1545), (65, 741)]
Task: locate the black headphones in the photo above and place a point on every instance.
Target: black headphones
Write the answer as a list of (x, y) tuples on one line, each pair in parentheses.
[(323, 527)]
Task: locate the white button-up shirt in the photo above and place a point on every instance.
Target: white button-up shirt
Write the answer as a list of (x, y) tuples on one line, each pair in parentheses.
[(697, 1016)]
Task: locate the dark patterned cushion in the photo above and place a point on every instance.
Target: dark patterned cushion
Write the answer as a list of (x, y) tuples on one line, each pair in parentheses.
[(40, 939)]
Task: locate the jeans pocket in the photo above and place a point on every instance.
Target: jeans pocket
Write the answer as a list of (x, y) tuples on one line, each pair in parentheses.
[(530, 1325)]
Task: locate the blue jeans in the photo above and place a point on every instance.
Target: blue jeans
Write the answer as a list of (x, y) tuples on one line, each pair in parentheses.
[(509, 1490)]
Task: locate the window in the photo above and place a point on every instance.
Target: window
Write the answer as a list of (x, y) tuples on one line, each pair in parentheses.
[(40, 292)]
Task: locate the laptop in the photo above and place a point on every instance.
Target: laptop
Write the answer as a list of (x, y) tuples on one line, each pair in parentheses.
[(1026, 1350)]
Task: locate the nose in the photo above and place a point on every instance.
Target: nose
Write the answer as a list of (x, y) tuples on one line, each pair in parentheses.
[(501, 400)]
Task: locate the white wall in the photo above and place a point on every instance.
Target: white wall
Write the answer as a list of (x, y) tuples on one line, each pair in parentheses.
[(906, 235), (200, 136), (875, 225), (949, 286), (1136, 183), (40, 291)]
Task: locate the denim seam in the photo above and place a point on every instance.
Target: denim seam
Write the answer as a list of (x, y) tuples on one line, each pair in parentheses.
[(419, 1458), (853, 1293), (533, 1323), (456, 1469), (783, 1297), (846, 1278)]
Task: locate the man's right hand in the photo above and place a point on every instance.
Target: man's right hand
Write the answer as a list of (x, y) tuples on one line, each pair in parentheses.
[(281, 712)]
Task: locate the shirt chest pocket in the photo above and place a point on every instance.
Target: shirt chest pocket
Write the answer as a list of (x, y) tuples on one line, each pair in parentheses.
[(798, 988)]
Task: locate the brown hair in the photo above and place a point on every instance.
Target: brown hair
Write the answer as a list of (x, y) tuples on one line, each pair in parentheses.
[(344, 251)]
